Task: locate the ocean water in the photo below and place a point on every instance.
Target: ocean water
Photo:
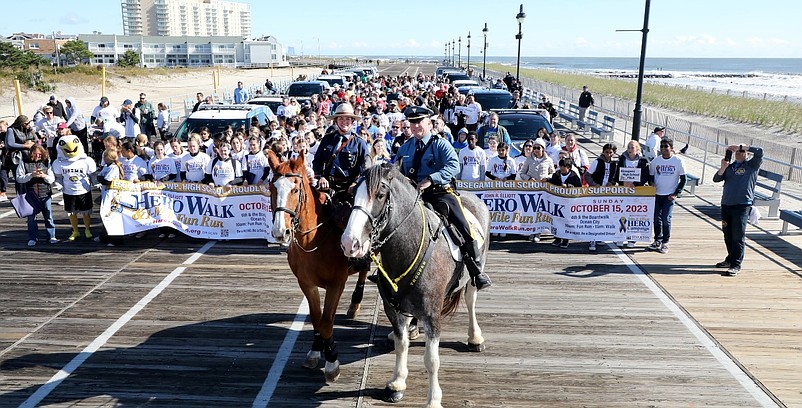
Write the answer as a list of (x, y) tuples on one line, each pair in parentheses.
[(762, 78)]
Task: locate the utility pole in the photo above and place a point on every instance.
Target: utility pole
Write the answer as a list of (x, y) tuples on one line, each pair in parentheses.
[(636, 118)]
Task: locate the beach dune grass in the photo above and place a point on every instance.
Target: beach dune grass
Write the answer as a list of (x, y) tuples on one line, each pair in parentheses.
[(786, 116)]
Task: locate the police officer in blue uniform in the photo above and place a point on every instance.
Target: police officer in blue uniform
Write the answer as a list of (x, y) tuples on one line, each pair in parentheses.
[(432, 163)]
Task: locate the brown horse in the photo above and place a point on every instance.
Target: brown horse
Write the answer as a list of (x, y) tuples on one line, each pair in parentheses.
[(303, 222)]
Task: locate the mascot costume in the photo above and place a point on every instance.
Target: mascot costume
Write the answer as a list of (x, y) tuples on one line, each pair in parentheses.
[(73, 170)]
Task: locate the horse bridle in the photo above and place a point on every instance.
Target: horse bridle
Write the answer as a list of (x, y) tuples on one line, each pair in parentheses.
[(294, 220), (379, 222)]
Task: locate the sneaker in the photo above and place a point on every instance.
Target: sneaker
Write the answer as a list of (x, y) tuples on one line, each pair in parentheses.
[(97, 239), (139, 235), (663, 249), (556, 242), (170, 236), (32, 242), (655, 246), (109, 244), (3, 197), (592, 246), (74, 236), (162, 236), (54, 240), (723, 264), (88, 234), (621, 244), (536, 238), (61, 203), (631, 244), (564, 244), (733, 270)]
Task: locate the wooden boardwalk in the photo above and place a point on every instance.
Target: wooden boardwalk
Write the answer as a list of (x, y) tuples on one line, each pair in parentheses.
[(564, 327)]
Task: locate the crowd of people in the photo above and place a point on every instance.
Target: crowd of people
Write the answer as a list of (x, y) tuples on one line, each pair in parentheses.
[(133, 142)]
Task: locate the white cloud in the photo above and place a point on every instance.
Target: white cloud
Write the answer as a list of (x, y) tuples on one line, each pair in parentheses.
[(72, 19)]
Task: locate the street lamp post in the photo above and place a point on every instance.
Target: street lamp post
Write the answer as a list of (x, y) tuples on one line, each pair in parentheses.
[(453, 44), (445, 54), (459, 52), (484, 52), (520, 17), (469, 52)]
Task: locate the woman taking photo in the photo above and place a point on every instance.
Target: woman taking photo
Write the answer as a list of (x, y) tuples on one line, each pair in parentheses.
[(34, 174)]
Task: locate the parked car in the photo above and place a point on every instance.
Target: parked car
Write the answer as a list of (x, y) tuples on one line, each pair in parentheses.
[(459, 83), (441, 70), (490, 98), (333, 79), (522, 124), (307, 88), (454, 76), (216, 117)]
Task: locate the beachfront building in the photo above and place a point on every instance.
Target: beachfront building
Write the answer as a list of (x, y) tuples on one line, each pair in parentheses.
[(43, 45), (187, 51), (186, 18)]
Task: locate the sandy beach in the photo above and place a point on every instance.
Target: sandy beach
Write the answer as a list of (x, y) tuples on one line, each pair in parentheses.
[(171, 89)]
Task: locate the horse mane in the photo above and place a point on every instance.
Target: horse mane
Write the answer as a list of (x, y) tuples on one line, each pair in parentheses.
[(374, 176)]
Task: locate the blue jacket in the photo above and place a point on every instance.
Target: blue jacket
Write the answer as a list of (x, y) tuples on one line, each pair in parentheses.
[(439, 162), (350, 163), (740, 179)]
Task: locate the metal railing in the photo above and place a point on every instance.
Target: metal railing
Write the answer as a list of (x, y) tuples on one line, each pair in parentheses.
[(778, 158)]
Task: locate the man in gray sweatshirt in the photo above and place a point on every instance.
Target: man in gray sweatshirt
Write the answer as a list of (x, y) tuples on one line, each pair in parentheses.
[(739, 178)]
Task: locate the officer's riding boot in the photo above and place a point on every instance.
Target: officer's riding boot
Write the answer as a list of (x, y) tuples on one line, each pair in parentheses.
[(473, 261), (360, 264)]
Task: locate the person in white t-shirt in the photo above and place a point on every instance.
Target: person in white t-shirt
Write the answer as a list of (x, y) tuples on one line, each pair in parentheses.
[(492, 149), (135, 168), (501, 167), (194, 163), (177, 153), (223, 171), (255, 163), (652, 149), (668, 175), (162, 168), (473, 160)]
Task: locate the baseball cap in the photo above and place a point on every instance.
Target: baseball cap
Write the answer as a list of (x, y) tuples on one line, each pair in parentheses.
[(52, 97), (127, 102), (659, 128), (62, 125), (104, 99)]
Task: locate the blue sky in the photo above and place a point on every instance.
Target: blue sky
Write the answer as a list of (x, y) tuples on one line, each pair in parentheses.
[(678, 28)]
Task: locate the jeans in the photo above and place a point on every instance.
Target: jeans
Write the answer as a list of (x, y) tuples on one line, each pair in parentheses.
[(733, 224), (662, 218), (3, 179), (47, 214)]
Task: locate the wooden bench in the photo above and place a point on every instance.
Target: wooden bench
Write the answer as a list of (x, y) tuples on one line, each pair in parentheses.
[(769, 193), (791, 217), (606, 131), (562, 112)]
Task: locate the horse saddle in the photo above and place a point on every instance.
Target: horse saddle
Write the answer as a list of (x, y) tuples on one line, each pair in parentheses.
[(453, 236), (341, 204)]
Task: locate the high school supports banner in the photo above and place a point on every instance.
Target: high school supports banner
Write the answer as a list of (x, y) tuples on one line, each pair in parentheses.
[(516, 207), (614, 213), (197, 210)]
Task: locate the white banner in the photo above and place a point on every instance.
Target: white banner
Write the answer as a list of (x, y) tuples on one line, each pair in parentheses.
[(197, 210), (585, 213), (516, 207)]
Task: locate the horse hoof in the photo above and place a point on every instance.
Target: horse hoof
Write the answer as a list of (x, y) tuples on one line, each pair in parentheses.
[(332, 372), (476, 348), (392, 396), (353, 310), (311, 362)]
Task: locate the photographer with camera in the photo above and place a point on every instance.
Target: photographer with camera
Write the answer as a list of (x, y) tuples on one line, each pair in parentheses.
[(740, 178)]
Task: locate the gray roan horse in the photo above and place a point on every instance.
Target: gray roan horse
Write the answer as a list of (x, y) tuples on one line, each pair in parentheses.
[(416, 267)]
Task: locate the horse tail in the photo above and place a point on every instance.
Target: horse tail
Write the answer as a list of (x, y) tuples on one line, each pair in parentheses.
[(451, 303)]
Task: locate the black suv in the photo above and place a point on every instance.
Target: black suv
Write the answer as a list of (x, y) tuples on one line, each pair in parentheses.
[(307, 88)]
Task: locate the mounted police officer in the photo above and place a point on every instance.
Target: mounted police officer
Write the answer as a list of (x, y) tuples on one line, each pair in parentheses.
[(430, 161), (339, 161), (342, 156)]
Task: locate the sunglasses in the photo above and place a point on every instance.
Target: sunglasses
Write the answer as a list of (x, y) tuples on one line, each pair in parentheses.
[(528, 145), (538, 147)]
